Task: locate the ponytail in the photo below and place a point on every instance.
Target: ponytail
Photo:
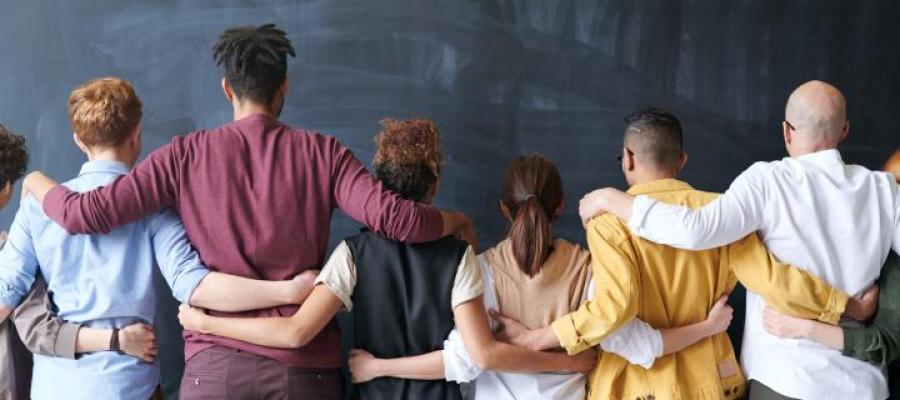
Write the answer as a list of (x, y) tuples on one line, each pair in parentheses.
[(530, 235)]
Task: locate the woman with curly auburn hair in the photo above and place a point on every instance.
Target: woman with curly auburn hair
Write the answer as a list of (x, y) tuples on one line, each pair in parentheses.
[(406, 298)]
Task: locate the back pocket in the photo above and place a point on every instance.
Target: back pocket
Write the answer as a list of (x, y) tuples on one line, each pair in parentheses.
[(202, 385)]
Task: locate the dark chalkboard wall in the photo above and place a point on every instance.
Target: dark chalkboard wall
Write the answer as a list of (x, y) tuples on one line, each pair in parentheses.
[(501, 78)]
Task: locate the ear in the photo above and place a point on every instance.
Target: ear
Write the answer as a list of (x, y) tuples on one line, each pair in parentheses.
[(504, 210), (682, 161), (226, 88), (285, 85), (788, 133), (628, 163), (559, 210), (845, 131), (79, 143), (136, 133), (6, 194)]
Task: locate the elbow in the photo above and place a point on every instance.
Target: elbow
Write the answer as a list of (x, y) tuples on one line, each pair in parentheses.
[(485, 357), (297, 338)]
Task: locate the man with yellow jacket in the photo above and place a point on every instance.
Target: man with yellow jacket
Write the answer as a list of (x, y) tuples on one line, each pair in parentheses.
[(668, 287)]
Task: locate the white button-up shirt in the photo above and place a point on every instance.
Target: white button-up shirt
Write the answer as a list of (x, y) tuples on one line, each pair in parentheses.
[(835, 220)]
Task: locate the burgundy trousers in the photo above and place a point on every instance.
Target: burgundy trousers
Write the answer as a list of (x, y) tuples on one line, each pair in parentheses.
[(223, 373)]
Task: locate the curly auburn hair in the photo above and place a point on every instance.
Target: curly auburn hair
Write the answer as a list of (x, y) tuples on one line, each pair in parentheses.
[(408, 157), (13, 157)]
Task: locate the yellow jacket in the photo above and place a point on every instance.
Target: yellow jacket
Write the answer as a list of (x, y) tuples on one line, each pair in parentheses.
[(668, 288)]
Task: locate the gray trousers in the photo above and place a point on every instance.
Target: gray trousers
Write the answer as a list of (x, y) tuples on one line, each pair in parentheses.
[(758, 391)]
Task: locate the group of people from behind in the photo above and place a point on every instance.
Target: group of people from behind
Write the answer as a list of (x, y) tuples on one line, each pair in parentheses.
[(534, 316)]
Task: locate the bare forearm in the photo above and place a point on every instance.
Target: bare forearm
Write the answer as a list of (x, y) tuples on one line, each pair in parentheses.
[(538, 339), (90, 340), (231, 293), (829, 335), (509, 358), (272, 332), (38, 185), (429, 366), (676, 339)]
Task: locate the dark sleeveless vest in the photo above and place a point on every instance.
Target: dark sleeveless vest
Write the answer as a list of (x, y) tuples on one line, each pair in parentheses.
[(401, 307)]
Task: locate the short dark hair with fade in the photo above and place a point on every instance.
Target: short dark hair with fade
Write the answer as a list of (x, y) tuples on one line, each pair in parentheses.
[(655, 135), (13, 157), (254, 59)]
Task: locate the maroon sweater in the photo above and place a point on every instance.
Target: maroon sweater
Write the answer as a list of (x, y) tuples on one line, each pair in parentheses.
[(256, 197)]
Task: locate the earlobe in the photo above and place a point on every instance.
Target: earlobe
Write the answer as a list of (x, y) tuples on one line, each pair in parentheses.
[(226, 88)]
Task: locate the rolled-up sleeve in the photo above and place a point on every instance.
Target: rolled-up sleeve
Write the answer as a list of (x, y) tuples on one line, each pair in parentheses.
[(616, 280), (179, 264), (339, 275), (41, 330), (637, 342), (458, 365)]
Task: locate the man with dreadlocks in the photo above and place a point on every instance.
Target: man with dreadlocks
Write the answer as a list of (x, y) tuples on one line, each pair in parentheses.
[(256, 197)]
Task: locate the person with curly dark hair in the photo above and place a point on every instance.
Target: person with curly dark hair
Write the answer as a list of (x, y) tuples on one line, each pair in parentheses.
[(405, 298), (13, 162)]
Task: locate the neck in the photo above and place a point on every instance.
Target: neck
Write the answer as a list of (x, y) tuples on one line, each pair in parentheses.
[(650, 176), (247, 108), (117, 154), (801, 150)]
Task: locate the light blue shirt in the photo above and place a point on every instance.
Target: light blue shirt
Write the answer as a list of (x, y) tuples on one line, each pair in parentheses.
[(101, 281)]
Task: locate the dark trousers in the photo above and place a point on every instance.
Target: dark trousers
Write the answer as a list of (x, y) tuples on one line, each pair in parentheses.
[(758, 391), (223, 373)]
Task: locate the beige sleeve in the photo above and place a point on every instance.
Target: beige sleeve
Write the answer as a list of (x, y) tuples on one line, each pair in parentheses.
[(468, 283), (339, 274)]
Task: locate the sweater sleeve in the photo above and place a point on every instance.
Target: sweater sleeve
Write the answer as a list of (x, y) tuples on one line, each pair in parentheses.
[(150, 187), (366, 200)]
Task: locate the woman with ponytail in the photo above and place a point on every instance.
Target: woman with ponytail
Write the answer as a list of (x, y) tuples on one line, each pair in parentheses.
[(534, 278)]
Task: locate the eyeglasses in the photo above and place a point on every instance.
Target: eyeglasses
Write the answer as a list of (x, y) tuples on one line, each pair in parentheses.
[(790, 126)]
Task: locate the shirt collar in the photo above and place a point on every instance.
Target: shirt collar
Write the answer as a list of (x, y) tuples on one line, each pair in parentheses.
[(660, 185), (824, 156), (103, 167)]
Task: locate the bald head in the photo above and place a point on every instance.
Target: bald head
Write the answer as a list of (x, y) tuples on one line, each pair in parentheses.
[(817, 112)]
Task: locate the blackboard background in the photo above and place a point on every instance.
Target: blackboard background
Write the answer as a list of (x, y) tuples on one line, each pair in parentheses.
[(501, 78)]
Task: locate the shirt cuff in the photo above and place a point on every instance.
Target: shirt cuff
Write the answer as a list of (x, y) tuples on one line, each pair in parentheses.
[(9, 297), (856, 344), (188, 283), (65, 340), (837, 303), (640, 208), (564, 329)]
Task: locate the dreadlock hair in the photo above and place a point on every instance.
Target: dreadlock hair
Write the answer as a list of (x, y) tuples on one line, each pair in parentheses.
[(13, 157), (255, 60)]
